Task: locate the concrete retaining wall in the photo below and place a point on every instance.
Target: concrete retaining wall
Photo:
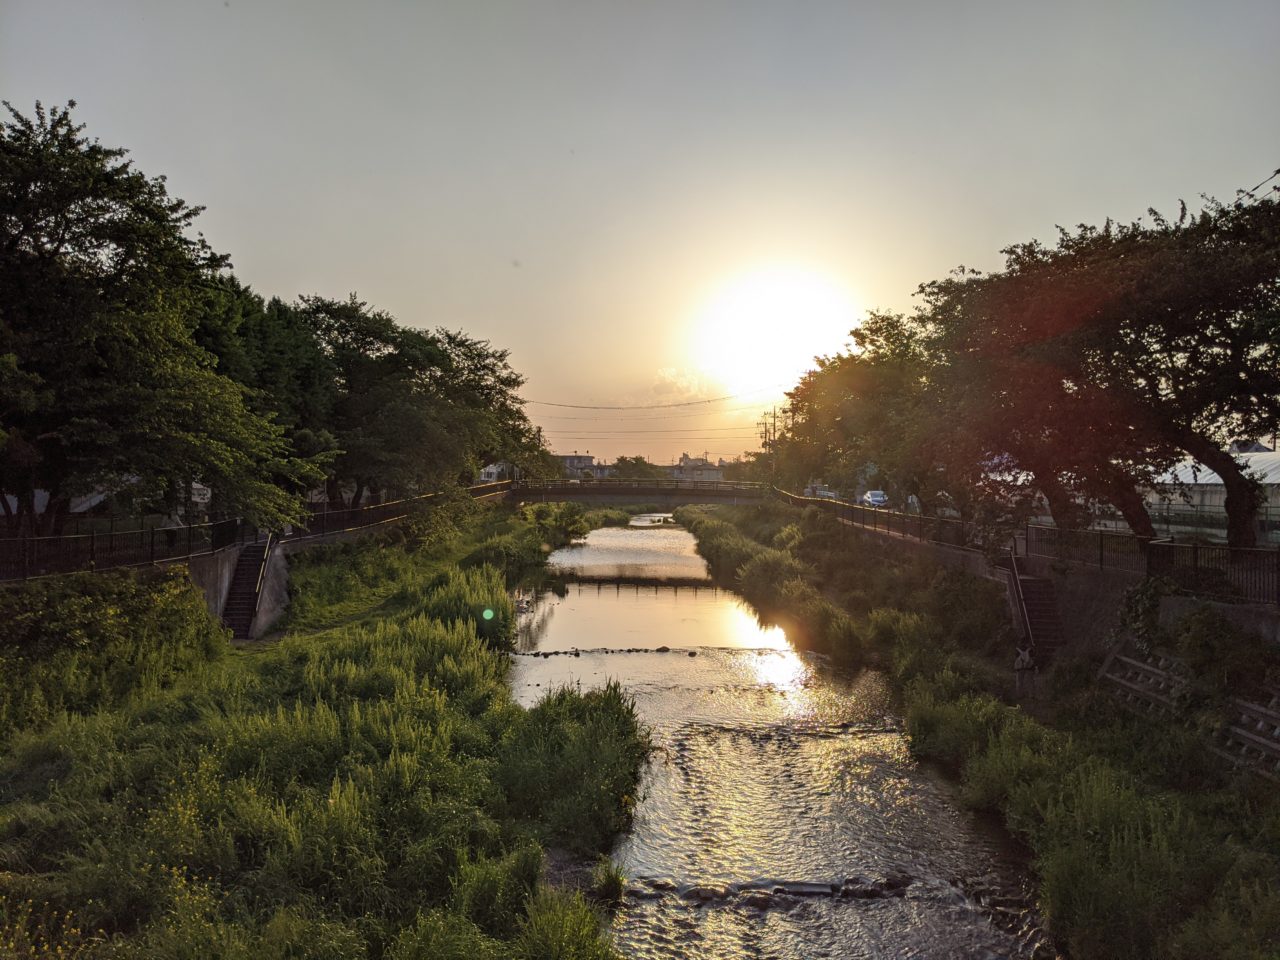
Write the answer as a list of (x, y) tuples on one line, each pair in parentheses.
[(275, 594), (212, 574)]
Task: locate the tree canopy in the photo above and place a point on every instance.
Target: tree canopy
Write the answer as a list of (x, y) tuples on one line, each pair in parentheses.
[(1079, 373), (133, 363)]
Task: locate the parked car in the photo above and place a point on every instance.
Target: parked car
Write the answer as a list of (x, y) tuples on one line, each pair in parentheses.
[(875, 498)]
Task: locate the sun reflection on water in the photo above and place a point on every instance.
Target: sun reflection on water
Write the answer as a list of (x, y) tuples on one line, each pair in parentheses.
[(782, 670)]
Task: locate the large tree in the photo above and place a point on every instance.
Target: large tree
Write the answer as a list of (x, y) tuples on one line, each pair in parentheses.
[(413, 409), (103, 386)]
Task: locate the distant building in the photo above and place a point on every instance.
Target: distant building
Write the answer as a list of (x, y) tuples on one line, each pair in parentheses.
[(696, 468), (494, 472), (577, 465), (1205, 488)]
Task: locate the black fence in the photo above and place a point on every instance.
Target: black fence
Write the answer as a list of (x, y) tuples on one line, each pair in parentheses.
[(953, 532), (1212, 570), (24, 557)]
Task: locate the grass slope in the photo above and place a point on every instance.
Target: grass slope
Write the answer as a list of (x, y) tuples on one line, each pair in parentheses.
[(365, 788), (1146, 847)]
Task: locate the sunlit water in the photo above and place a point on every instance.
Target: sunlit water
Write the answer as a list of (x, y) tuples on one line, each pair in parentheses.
[(782, 815)]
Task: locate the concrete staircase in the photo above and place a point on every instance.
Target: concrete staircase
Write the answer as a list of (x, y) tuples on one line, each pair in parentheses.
[(1040, 601), (1038, 606), (246, 584)]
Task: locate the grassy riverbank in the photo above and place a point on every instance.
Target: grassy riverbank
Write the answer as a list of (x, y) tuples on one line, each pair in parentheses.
[(366, 787), (1144, 845)]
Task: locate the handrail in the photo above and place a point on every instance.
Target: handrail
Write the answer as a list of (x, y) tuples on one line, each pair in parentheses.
[(262, 576), (1022, 600)]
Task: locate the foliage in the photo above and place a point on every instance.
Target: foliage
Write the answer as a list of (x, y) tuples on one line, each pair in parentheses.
[(90, 641), (104, 385), (132, 363), (363, 791), (1077, 374), (637, 468), (569, 763)]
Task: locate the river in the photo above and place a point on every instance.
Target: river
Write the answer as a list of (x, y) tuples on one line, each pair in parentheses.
[(782, 814)]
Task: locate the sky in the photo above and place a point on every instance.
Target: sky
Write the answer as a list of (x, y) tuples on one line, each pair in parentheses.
[(658, 202)]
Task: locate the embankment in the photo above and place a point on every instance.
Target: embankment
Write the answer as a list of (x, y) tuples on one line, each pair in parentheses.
[(1146, 846), (367, 787)]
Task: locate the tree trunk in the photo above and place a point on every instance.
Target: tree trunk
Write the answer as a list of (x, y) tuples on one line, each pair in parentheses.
[(333, 491), (1120, 492), (56, 511), (359, 494), (1066, 512), (1244, 495)]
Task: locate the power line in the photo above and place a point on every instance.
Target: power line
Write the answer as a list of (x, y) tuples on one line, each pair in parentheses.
[(1241, 194), (663, 439), (657, 406)]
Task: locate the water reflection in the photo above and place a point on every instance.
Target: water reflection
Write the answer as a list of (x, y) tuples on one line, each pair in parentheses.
[(783, 815), (590, 616)]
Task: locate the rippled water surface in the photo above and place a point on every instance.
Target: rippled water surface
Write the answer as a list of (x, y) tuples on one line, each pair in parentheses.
[(782, 814)]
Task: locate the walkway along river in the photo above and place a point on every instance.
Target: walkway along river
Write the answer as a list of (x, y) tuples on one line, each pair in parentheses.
[(783, 815)]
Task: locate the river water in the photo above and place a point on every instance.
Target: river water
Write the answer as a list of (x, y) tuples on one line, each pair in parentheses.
[(782, 814)]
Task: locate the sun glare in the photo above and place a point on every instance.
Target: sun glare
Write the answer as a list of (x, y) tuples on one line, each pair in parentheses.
[(764, 327)]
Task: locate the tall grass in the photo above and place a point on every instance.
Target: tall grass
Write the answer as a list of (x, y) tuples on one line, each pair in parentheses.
[(361, 791), (87, 641)]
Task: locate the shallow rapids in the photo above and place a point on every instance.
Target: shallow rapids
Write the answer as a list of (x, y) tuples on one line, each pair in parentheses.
[(782, 815)]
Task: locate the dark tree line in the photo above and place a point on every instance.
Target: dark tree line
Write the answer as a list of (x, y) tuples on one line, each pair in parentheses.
[(1079, 373), (133, 363)]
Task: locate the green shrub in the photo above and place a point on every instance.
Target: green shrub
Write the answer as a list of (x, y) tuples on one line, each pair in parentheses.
[(566, 763), (334, 795), (607, 882), (562, 926), (90, 641)]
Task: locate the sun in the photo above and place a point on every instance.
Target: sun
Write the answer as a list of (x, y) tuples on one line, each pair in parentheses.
[(764, 326)]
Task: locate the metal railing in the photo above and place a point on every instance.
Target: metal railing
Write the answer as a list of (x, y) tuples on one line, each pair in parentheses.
[(914, 526), (1213, 570), (22, 558)]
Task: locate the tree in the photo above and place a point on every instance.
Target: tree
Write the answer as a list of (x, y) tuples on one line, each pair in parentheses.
[(1171, 328), (637, 468), (105, 387), (412, 410)]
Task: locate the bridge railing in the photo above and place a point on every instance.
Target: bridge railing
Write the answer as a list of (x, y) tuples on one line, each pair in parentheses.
[(25, 557)]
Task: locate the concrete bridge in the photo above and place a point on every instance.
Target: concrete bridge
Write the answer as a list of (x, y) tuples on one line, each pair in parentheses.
[(663, 493)]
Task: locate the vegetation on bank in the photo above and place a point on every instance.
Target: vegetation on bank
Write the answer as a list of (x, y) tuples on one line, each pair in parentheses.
[(367, 787), (1146, 846)]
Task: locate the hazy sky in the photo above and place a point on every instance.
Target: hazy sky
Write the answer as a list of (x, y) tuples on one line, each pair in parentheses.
[(605, 188)]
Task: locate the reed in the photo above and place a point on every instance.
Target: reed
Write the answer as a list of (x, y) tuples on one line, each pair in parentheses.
[(357, 790)]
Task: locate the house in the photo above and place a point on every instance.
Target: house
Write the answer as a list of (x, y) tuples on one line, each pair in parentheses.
[(1205, 489), (696, 468), (577, 465), (502, 470)]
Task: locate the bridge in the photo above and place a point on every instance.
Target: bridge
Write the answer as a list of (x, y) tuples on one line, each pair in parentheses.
[(662, 493)]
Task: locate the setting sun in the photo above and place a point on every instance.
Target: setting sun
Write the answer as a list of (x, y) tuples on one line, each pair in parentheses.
[(765, 326)]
